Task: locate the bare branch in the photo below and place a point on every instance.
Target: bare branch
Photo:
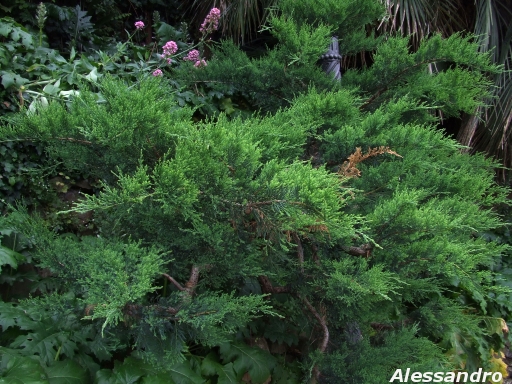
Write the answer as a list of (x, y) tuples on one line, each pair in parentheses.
[(323, 323), (267, 287), (300, 251), (191, 284), (325, 340), (174, 282), (364, 250)]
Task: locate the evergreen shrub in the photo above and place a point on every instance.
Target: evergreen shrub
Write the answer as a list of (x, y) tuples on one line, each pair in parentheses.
[(336, 239)]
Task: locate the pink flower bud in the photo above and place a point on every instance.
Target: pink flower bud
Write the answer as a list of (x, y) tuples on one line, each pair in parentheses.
[(200, 63), (139, 25)]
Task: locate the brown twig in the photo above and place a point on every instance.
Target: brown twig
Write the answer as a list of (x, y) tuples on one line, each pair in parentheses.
[(325, 340), (73, 140), (364, 250), (267, 287), (300, 251), (191, 284), (174, 282)]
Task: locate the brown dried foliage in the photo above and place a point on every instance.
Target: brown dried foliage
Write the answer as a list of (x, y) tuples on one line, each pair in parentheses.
[(349, 167)]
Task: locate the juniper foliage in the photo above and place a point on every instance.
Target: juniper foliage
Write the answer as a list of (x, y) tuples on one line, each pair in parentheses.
[(224, 231)]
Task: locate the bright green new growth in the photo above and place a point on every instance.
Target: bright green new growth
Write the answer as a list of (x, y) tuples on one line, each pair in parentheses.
[(245, 220)]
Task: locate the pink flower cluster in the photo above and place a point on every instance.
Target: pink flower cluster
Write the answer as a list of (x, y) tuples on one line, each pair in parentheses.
[(139, 25), (157, 72), (170, 48), (193, 55), (211, 22)]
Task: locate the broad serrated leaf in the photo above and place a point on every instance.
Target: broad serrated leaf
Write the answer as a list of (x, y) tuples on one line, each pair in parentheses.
[(10, 315), (10, 79), (45, 341), (5, 29), (126, 375), (161, 378), (9, 257), (255, 361), (20, 369), (211, 367), (18, 34), (104, 376), (227, 375), (66, 372), (181, 373)]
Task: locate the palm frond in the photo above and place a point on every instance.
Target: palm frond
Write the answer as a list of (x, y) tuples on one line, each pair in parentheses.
[(494, 28), (423, 17), (240, 19)]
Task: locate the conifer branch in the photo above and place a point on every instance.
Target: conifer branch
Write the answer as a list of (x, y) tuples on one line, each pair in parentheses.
[(174, 282), (267, 287), (364, 250), (73, 140), (325, 340), (383, 89), (300, 251), (191, 284)]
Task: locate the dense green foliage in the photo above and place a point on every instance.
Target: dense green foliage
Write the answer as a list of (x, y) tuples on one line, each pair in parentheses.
[(334, 237)]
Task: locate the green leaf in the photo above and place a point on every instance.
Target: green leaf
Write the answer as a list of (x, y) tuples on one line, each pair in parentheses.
[(9, 257), (34, 67), (211, 367), (72, 54), (127, 375), (51, 89), (227, 374), (20, 370), (11, 316), (256, 361), (93, 75), (66, 372), (11, 79), (104, 376), (161, 378), (44, 340), (5, 29), (181, 373)]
